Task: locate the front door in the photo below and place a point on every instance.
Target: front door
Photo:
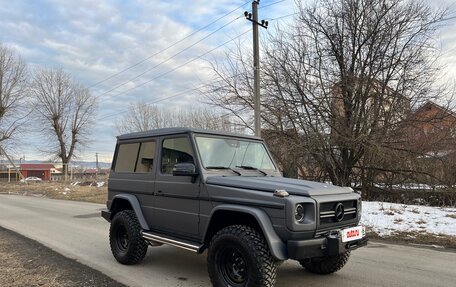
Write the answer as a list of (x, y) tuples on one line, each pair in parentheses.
[(176, 208)]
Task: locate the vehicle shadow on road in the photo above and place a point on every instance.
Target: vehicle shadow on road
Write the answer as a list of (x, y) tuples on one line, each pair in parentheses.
[(180, 265)]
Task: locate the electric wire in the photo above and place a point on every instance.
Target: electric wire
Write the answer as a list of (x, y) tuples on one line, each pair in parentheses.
[(271, 4), (168, 59), (281, 17), (172, 45), (178, 67), (182, 65), (167, 48), (152, 102)]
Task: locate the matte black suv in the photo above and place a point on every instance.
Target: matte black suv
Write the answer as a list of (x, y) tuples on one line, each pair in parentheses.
[(198, 189)]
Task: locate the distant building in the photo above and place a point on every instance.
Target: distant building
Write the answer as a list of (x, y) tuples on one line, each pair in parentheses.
[(432, 130), (41, 170), (8, 173), (431, 136)]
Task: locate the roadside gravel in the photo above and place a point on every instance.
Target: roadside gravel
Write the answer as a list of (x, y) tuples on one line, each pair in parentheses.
[(24, 262)]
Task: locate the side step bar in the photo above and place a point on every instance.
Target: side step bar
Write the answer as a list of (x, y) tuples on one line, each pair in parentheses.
[(149, 236)]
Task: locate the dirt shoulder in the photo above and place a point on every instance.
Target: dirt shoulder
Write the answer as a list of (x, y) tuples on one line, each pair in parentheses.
[(24, 262), (417, 239), (59, 190)]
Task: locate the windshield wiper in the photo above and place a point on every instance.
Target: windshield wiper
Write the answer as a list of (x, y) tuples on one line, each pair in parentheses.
[(252, 168), (224, 167)]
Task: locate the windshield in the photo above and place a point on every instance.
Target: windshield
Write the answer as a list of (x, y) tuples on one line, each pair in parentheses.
[(231, 153)]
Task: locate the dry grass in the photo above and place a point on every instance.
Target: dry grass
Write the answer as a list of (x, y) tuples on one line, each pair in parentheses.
[(391, 210), (388, 212), (417, 238), (451, 216), (57, 190), (24, 262), (421, 222), (416, 211), (14, 271)]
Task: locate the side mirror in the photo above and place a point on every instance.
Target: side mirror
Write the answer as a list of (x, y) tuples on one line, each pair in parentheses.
[(184, 169)]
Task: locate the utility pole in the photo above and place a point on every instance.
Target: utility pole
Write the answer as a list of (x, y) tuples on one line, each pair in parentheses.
[(253, 17), (97, 168), (3, 152)]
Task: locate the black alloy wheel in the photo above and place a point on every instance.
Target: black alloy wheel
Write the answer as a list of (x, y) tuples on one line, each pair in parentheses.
[(232, 266), (238, 256), (127, 244)]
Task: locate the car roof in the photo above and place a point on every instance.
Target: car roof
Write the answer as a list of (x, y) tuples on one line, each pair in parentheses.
[(180, 130)]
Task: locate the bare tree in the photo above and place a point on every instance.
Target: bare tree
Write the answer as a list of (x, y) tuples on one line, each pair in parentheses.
[(343, 79), (65, 111), (13, 90), (142, 117)]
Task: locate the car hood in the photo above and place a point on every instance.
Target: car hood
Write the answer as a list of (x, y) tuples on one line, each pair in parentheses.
[(270, 184)]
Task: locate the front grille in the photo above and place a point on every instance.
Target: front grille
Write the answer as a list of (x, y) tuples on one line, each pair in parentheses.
[(328, 211)]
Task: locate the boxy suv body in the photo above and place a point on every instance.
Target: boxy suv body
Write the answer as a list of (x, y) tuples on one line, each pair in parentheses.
[(198, 189)]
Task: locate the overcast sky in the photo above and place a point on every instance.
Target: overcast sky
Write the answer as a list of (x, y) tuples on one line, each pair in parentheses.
[(94, 39)]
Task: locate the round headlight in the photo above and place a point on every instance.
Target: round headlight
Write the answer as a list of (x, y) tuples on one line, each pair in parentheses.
[(299, 213)]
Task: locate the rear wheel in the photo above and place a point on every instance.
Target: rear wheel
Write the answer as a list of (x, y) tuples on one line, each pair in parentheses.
[(127, 245), (238, 256), (326, 265)]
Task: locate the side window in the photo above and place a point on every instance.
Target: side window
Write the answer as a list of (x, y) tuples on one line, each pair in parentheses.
[(176, 150), (126, 157), (146, 157), (135, 157)]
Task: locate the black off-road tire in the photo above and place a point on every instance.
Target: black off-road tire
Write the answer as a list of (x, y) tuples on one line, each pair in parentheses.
[(256, 266), (326, 265), (127, 245)]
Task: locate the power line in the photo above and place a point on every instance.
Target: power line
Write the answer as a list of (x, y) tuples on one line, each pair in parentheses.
[(184, 64), (285, 16), (170, 58), (192, 60), (170, 97), (178, 67), (271, 4), (153, 102), (167, 48), (163, 99)]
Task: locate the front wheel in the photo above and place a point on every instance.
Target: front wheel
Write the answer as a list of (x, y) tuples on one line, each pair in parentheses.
[(238, 256), (326, 265), (127, 245)]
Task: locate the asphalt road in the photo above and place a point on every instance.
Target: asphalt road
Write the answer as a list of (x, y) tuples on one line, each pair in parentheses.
[(76, 230)]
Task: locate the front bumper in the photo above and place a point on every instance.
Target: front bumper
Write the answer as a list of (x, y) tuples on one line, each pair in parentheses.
[(324, 246)]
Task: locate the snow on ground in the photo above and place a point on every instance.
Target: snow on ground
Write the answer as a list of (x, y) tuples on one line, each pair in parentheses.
[(386, 218)]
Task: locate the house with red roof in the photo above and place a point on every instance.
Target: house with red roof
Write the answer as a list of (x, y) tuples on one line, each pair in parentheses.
[(41, 170)]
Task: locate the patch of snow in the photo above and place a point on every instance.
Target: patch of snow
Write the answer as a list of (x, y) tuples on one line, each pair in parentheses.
[(100, 183), (420, 186), (386, 218), (66, 189), (75, 183)]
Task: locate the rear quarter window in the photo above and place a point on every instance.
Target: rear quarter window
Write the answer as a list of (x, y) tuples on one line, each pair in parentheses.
[(135, 157), (126, 157)]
